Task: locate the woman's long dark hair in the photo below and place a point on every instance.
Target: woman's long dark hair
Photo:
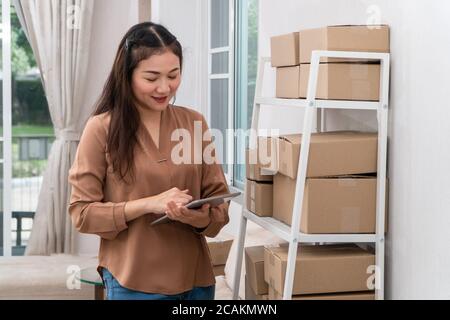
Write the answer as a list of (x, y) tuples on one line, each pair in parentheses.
[(139, 43)]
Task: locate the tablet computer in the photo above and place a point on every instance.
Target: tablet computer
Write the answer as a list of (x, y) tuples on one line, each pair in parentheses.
[(212, 201)]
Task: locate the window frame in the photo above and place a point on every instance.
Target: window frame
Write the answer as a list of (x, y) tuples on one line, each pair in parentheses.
[(241, 89), (237, 15), (230, 76), (241, 69), (6, 138)]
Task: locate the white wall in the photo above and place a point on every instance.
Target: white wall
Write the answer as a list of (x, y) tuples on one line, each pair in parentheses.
[(418, 258), (187, 21), (112, 18)]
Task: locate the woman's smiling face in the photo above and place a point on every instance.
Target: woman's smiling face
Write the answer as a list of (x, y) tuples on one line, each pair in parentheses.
[(155, 80)]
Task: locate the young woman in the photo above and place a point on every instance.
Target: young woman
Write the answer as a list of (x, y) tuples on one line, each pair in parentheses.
[(126, 175)]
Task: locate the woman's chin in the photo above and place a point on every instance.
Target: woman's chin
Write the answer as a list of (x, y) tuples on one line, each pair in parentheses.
[(159, 107), (154, 107)]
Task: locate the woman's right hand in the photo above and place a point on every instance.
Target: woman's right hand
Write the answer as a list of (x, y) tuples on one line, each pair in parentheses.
[(159, 202)]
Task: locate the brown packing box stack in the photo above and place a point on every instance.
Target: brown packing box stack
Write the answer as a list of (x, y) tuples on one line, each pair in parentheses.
[(285, 50), (330, 205), (344, 79), (362, 38), (250, 294), (320, 269), (254, 268), (219, 248), (259, 187), (259, 198), (369, 295), (330, 153), (336, 81)]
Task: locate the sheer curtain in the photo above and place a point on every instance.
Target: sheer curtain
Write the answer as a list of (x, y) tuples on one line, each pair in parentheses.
[(59, 33)]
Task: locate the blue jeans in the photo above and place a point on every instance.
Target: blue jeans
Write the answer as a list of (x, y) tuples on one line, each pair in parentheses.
[(114, 291)]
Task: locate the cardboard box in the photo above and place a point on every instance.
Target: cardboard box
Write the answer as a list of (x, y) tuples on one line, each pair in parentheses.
[(330, 205), (254, 165), (259, 198), (254, 268), (267, 154), (250, 294), (336, 81), (369, 295), (219, 248), (288, 82), (330, 153), (285, 50), (219, 270), (343, 38), (320, 269)]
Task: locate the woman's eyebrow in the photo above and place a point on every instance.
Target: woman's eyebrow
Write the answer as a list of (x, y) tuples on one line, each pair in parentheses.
[(156, 72)]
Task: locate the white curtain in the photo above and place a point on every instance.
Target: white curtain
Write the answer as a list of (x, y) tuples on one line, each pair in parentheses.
[(59, 33)]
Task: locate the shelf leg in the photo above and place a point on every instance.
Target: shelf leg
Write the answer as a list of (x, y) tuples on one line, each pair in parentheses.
[(239, 254), (379, 270)]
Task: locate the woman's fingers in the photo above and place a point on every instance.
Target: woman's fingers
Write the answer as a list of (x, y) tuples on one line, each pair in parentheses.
[(176, 210), (169, 211), (205, 207), (185, 196), (186, 212), (187, 199), (184, 200), (172, 210), (193, 214)]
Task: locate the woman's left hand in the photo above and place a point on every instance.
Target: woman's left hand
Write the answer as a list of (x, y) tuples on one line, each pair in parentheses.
[(197, 218)]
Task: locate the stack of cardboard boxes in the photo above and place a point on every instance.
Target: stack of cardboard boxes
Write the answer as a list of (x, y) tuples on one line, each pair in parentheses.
[(340, 190), (339, 79), (219, 248), (333, 272), (259, 187)]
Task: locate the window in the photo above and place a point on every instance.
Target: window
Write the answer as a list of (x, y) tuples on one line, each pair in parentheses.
[(220, 71), (232, 76), (246, 67), (27, 132)]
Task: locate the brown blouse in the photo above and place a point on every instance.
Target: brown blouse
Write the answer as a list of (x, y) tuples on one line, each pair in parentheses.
[(169, 258)]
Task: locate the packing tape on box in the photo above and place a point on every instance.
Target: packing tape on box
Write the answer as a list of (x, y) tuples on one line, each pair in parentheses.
[(350, 219), (283, 166), (347, 182), (282, 145), (271, 282), (252, 172), (272, 260), (252, 205), (252, 190), (264, 154)]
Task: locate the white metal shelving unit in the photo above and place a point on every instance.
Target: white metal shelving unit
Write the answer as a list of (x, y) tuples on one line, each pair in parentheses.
[(292, 234)]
